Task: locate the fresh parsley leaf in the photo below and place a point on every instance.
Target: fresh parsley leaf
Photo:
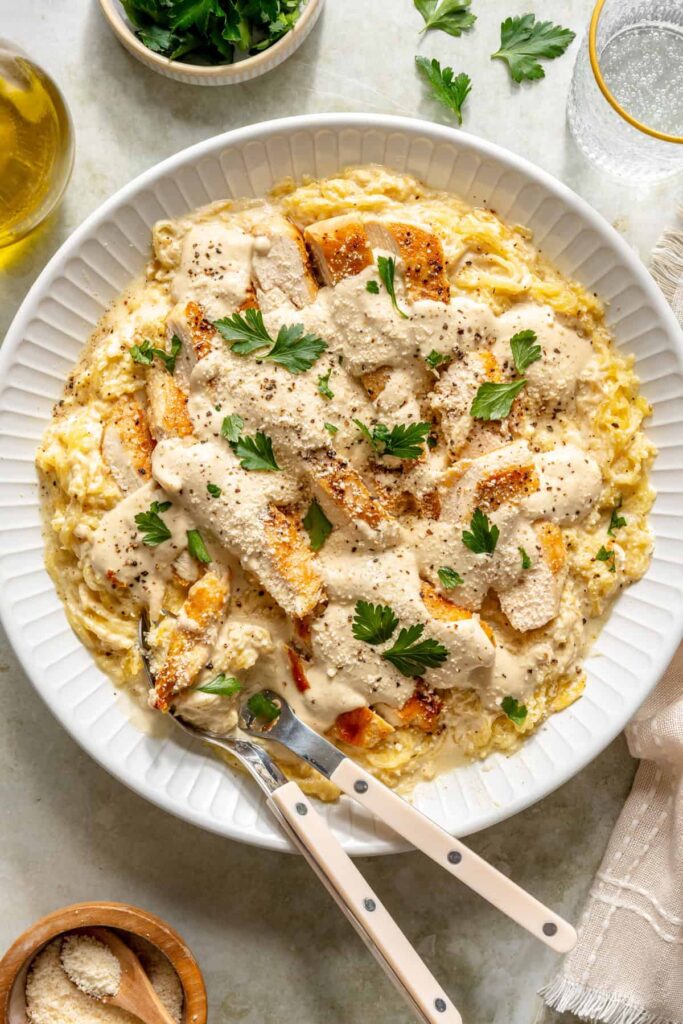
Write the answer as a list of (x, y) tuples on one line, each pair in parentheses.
[(403, 441), (482, 537), (526, 561), (373, 623), (222, 686), (515, 711), (451, 16), (605, 555), (324, 385), (616, 521), (295, 350), (525, 351), (331, 429), (372, 287), (197, 547), (450, 578), (449, 89), (317, 526), (386, 265), (494, 401), (411, 655), (246, 331), (263, 707), (214, 490), (231, 428), (143, 354), (435, 359), (523, 40), (169, 358), (152, 527), (255, 453)]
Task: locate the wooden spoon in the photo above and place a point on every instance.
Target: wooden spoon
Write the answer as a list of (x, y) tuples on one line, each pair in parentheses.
[(136, 994)]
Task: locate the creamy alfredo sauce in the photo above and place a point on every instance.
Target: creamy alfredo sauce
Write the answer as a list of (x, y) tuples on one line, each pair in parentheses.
[(390, 563)]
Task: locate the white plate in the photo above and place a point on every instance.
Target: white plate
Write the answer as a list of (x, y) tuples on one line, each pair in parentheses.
[(111, 247)]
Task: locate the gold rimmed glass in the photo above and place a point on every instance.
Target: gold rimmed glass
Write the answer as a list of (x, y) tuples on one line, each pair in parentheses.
[(626, 101)]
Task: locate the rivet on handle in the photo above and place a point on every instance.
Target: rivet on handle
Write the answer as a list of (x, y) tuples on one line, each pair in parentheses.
[(440, 1005), (301, 808), (369, 905), (360, 786), (549, 928), (454, 857)]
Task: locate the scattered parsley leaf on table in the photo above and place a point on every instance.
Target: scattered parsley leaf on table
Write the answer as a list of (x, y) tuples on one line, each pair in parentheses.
[(150, 524), (197, 547), (373, 623), (317, 526), (482, 537), (515, 711), (449, 577), (411, 655), (525, 351), (386, 266), (451, 16), (449, 90), (222, 686), (494, 401), (255, 452), (523, 40)]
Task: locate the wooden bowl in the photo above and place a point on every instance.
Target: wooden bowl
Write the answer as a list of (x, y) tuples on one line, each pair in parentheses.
[(16, 961)]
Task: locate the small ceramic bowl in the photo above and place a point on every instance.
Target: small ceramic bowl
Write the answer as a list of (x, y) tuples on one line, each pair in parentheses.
[(220, 74), (17, 960)]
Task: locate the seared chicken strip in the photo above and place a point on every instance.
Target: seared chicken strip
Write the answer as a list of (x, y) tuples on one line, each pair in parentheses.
[(127, 445), (339, 247), (535, 598), (421, 254), (361, 728), (168, 413), (280, 266)]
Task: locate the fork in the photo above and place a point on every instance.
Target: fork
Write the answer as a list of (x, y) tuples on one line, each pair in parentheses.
[(310, 835), (404, 818)]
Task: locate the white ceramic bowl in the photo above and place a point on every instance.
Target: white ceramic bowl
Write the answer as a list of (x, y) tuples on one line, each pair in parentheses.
[(100, 258), (219, 74)]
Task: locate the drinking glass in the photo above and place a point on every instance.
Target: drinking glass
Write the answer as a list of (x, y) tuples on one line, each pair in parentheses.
[(625, 106)]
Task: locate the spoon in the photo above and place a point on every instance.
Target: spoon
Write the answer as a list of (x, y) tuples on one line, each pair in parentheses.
[(135, 993)]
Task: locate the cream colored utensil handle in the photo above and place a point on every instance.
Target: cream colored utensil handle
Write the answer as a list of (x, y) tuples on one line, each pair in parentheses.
[(454, 856), (355, 897)]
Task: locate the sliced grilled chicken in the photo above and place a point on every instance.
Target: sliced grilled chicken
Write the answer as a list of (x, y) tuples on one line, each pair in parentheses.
[(339, 482), (452, 397), (185, 569), (422, 256), (422, 711), (506, 475), (339, 247), (439, 607), (361, 728), (375, 381), (127, 445), (193, 637), (197, 334), (280, 266), (168, 415), (535, 599), (285, 565)]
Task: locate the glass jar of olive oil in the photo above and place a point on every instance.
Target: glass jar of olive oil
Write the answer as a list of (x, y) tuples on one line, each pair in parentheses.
[(36, 145)]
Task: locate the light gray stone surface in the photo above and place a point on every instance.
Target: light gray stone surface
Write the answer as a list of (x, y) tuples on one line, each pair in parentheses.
[(271, 943)]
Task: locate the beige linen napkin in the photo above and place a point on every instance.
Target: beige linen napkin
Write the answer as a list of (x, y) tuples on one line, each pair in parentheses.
[(627, 967)]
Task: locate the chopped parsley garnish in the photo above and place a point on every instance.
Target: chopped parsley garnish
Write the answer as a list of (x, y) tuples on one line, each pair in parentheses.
[(222, 686), (255, 452), (523, 40), (197, 547), (231, 428), (452, 16), (515, 711), (292, 348), (616, 521), (373, 623), (482, 537), (317, 526), (150, 524), (386, 265), (372, 287), (525, 351), (403, 441), (494, 401), (214, 490), (605, 555), (411, 655), (435, 359), (526, 561), (331, 429), (146, 352), (324, 385), (263, 707), (449, 89), (449, 577)]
